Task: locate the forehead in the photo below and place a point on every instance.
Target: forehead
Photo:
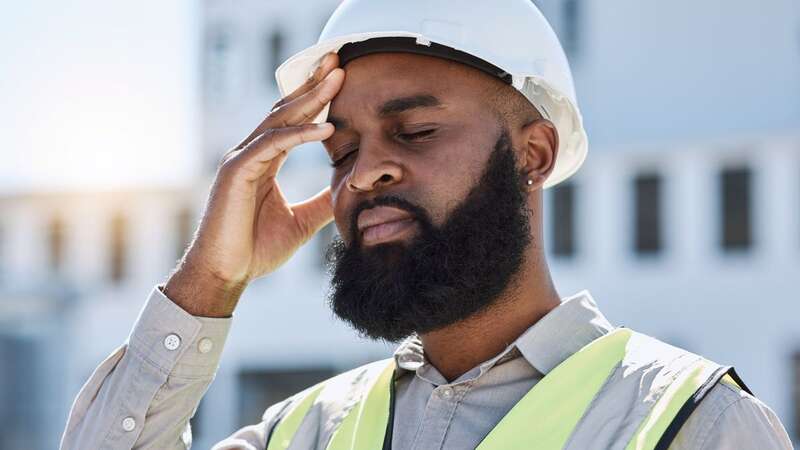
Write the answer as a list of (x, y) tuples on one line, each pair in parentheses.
[(375, 79)]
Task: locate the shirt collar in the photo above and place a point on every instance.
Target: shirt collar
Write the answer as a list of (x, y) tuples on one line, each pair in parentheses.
[(567, 328)]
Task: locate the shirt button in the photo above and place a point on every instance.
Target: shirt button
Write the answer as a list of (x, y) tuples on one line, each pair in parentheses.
[(128, 424), (172, 342), (205, 345), (446, 392)]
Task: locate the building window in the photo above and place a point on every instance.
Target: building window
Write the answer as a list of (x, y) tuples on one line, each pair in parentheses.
[(219, 62), (570, 34), (184, 224), (259, 389), (276, 42), (118, 247), (563, 220), (21, 399), (55, 243), (736, 209), (647, 214)]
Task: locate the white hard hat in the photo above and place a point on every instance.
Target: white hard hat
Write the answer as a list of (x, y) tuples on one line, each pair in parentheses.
[(511, 37)]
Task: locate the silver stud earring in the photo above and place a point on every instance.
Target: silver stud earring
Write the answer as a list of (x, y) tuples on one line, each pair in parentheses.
[(530, 182)]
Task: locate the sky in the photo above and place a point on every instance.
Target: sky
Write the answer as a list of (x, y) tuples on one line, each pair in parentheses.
[(98, 94)]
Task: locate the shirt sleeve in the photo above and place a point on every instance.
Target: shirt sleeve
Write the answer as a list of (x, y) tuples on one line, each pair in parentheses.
[(730, 418), (255, 437), (143, 395)]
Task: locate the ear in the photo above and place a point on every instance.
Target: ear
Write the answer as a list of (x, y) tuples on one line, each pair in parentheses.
[(539, 148)]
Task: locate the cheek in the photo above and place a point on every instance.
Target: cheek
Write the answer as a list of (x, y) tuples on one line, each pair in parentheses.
[(341, 217), (455, 170), (444, 184), (337, 186)]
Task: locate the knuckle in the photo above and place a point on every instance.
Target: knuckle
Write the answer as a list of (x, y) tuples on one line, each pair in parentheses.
[(225, 169), (314, 78), (277, 108), (269, 135), (269, 138), (279, 135), (302, 136), (278, 105), (278, 116), (227, 157), (320, 98)]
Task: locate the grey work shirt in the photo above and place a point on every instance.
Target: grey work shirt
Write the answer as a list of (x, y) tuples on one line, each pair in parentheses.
[(143, 394)]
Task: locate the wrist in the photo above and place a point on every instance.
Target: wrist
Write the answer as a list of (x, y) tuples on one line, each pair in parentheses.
[(201, 292)]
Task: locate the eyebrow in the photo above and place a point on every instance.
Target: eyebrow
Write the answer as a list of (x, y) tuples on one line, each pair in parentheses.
[(403, 104), (394, 106)]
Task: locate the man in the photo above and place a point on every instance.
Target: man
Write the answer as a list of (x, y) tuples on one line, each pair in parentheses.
[(444, 123)]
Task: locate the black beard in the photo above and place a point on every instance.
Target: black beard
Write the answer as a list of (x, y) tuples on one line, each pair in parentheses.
[(444, 274)]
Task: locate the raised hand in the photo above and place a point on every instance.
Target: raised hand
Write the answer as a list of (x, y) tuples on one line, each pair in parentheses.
[(248, 229)]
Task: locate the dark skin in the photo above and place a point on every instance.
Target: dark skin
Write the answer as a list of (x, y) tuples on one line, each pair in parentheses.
[(423, 128)]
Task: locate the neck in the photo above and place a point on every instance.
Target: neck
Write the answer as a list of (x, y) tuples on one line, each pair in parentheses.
[(456, 349)]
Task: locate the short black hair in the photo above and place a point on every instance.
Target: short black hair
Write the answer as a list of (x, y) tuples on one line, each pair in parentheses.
[(511, 107)]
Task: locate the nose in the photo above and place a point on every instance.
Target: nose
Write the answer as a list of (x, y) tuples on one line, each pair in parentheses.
[(373, 169)]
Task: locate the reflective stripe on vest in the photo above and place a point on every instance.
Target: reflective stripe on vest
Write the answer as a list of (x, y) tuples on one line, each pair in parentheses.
[(565, 393), (282, 435)]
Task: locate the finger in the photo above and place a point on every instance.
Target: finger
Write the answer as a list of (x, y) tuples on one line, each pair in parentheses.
[(275, 165), (305, 108), (329, 62), (314, 213), (255, 159)]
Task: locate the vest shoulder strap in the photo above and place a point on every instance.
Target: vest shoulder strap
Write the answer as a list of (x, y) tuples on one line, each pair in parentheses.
[(332, 394), (550, 411), (647, 399)]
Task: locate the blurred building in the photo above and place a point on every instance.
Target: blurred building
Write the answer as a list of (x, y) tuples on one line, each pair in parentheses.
[(684, 223)]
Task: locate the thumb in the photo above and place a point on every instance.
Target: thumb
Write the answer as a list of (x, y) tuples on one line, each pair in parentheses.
[(313, 214)]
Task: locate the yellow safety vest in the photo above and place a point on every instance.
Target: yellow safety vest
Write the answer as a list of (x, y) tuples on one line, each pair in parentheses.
[(565, 393)]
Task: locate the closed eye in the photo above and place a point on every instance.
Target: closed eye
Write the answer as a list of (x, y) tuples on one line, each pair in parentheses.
[(417, 135), (341, 160)]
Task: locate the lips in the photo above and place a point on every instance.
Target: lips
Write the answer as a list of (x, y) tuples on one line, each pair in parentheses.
[(383, 223)]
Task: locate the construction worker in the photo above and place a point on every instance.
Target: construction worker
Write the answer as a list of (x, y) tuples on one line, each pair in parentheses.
[(444, 121)]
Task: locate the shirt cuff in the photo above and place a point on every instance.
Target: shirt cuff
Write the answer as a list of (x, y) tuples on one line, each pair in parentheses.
[(175, 341)]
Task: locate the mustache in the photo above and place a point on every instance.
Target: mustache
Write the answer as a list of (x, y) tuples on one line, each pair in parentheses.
[(417, 212)]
